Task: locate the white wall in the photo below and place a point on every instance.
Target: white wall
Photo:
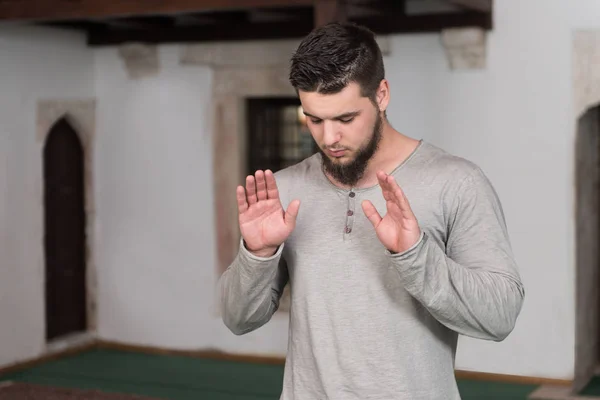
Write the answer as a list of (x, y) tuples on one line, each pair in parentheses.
[(35, 64), (154, 201), (513, 119)]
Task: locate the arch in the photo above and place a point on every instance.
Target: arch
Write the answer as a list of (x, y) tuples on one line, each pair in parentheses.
[(80, 114), (64, 231), (587, 234)]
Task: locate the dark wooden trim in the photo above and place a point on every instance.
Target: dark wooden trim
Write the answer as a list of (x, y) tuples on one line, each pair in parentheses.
[(257, 359), (515, 379), (49, 10), (427, 23), (327, 11), (138, 23), (295, 29), (212, 33), (19, 366), (275, 360), (208, 354), (477, 5)]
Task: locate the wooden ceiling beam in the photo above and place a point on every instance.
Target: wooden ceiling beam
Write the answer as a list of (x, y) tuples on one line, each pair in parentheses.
[(426, 23), (327, 11), (139, 23), (203, 33), (54, 10), (385, 7), (282, 14), (194, 19), (476, 5), (291, 29)]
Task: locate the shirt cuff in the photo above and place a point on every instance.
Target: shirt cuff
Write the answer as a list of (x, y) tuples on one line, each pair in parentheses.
[(407, 252), (251, 256)]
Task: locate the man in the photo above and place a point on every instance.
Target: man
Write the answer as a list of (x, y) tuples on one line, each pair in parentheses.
[(391, 246)]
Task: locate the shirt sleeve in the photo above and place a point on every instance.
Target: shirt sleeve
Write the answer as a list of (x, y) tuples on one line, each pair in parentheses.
[(250, 289), (473, 286)]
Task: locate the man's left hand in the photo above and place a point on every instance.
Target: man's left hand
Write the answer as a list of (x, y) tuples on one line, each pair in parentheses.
[(399, 229)]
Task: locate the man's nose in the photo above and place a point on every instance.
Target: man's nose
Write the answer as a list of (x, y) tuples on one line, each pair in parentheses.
[(330, 133)]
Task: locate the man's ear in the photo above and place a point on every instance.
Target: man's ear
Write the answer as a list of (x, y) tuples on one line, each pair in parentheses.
[(383, 95)]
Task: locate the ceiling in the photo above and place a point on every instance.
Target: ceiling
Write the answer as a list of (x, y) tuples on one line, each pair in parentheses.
[(112, 22)]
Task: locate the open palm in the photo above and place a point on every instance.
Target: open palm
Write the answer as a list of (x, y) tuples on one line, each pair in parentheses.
[(264, 224), (399, 229)]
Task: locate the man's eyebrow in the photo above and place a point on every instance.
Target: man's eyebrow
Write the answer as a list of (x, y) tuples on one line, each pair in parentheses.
[(341, 116)]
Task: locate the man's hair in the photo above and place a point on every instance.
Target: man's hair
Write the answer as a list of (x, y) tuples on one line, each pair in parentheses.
[(334, 55)]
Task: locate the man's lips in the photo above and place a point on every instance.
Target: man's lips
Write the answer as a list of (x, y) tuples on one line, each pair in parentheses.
[(336, 153)]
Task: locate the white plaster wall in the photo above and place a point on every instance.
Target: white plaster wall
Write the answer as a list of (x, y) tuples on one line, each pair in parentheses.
[(583, 14), (35, 64), (515, 119), (154, 201)]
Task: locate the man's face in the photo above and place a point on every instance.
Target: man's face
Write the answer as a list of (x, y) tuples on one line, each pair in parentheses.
[(347, 129)]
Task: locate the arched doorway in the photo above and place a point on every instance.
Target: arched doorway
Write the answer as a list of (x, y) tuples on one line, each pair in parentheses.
[(587, 329), (64, 231)]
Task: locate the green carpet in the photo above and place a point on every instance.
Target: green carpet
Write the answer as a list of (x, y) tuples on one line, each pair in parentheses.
[(592, 388), (182, 378)]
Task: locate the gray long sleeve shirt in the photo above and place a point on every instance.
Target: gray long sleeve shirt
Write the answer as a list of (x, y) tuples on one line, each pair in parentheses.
[(369, 324)]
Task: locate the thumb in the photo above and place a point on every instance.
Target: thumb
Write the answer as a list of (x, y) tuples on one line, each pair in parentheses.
[(371, 213), (292, 213)]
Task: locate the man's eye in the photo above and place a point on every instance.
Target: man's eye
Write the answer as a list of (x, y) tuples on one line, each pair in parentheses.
[(347, 121), (316, 121)]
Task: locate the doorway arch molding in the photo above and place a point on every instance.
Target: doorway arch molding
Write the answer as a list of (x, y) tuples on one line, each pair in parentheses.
[(81, 115)]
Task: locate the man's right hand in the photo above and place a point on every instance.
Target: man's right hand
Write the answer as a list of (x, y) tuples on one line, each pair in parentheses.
[(263, 223)]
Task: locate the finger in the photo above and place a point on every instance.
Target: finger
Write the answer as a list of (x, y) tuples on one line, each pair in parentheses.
[(400, 199), (387, 194), (405, 205), (385, 187), (371, 213), (241, 199), (394, 211), (272, 190), (292, 213), (381, 175), (261, 186), (251, 190)]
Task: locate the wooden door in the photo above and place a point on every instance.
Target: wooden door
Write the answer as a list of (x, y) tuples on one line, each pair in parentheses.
[(64, 239)]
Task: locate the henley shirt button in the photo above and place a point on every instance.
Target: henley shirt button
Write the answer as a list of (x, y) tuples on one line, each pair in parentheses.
[(352, 194), (350, 213), (348, 229)]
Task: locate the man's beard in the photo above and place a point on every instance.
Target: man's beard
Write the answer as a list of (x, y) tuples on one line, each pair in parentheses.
[(350, 173)]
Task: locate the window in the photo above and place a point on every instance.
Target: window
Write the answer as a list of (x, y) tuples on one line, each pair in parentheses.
[(277, 134)]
